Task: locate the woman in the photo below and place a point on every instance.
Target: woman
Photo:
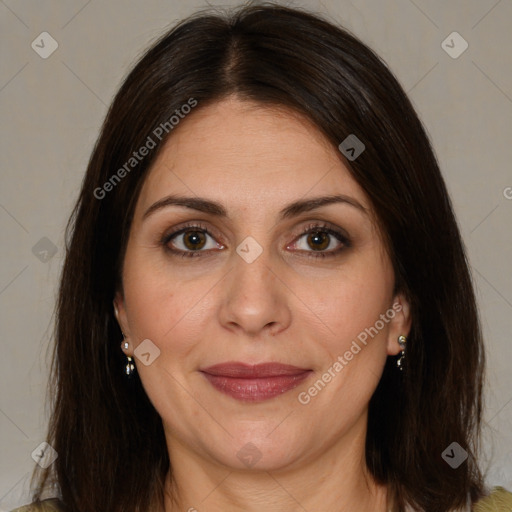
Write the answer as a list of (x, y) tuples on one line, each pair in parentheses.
[(264, 226)]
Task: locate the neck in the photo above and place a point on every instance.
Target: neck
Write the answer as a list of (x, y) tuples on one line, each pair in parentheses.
[(337, 480)]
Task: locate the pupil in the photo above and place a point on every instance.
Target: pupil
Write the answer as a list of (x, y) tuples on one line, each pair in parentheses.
[(194, 238), (319, 239)]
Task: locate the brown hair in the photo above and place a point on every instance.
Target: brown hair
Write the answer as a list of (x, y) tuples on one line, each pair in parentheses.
[(109, 437)]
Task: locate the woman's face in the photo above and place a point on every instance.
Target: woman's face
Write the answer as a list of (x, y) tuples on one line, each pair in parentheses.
[(262, 276)]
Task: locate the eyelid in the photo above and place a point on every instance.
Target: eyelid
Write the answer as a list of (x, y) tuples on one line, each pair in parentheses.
[(324, 227), (168, 235), (328, 227)]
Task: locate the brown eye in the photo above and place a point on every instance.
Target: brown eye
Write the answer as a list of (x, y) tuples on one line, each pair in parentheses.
[(190, 241), (194, 239), (319, 240)]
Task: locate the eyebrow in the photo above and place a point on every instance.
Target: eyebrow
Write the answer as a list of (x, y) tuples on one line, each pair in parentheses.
[(213, 208)]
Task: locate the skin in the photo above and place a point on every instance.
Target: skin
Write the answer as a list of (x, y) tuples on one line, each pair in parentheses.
[(286, 306)]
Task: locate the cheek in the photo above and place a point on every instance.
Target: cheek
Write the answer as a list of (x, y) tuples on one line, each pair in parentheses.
[(354, 310), (356, 302), (163, 306), (170, 311)]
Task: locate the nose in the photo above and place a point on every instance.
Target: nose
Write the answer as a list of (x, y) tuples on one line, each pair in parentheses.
[(255, 298)]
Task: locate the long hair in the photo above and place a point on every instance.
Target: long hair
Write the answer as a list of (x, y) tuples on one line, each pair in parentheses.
[(109, 438)]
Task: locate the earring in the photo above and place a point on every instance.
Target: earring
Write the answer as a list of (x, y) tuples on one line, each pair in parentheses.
[(401, 341), (129, 369)]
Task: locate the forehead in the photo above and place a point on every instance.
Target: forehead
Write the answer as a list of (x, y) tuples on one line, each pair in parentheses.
[(244, 154)]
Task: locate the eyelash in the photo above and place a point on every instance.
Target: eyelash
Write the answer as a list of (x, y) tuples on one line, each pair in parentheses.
[(314, 227)]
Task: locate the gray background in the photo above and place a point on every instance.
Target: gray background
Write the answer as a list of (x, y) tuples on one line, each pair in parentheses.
[(52, 110)]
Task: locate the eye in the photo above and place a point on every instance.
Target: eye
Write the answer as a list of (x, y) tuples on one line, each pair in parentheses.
[(322, 239), (190, 241), (317, 240)]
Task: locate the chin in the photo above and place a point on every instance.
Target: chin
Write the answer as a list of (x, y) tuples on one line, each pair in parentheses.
[(262, 451)]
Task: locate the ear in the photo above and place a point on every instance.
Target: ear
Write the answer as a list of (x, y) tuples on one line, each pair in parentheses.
[(120, 314), (399, 324)]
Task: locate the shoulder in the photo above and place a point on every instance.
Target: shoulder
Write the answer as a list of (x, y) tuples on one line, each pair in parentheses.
[(49, 505), (500, 500)]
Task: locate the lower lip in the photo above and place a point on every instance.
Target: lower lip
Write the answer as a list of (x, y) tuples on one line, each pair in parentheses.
[(256, 390)]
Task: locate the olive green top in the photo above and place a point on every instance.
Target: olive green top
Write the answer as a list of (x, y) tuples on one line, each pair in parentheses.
[(500, 500), (50, 505)]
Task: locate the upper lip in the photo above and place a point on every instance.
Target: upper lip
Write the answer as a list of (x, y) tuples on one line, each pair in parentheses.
[(254, 371)]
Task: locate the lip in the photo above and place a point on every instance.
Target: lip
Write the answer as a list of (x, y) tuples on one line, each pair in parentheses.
[(254, 383)]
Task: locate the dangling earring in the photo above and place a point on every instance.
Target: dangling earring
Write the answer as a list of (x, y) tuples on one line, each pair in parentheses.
[(129, 369), (402, 340)]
